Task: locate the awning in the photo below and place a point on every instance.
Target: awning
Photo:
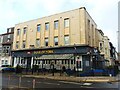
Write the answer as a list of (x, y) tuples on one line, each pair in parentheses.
[(60, 56)]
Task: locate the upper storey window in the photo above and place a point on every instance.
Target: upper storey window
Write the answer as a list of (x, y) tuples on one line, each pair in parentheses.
[(18, 32), (66, 22), (56, 24), (38, 27), (24, 30), (47, 26)]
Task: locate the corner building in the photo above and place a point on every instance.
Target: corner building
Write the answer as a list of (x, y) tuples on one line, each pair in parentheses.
[(64, 39)]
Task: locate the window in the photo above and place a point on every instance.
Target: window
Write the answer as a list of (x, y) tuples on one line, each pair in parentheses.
[(47, 26), (66, 40), (39, 62), (23, 46), (38, 27), (71, 61), (46, 41), (88, 24), (37, 42), (8, 36), (9, 30), (7, 49), (2, 61), (43, 62), (17, 45), (56, 24), (87, 63), (66, 23), (6, 62), (18, 32), (55, 41), (24, 30), (100, 46)]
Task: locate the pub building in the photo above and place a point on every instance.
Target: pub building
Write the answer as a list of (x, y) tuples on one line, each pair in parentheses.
[(66, 39)]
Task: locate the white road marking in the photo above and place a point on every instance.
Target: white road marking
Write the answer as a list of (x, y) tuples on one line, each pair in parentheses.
[(87, 84), (51, 83), (70, 82)]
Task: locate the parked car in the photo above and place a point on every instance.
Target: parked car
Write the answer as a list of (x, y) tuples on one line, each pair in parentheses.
[(6, 68)]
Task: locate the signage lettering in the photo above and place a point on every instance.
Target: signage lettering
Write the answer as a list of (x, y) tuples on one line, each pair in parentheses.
[(43, 51)]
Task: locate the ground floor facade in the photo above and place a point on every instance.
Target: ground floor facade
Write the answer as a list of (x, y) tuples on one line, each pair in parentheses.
[(79, 58)]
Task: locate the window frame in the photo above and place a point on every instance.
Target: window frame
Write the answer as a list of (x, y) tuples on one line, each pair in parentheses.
[(56, 37), (66, 23), (37, 43), (47, 26), (24, 44), (24, 30), (18, 32), (46, 43), (38, 27), (17, 44), (65, 41), (56, 24)]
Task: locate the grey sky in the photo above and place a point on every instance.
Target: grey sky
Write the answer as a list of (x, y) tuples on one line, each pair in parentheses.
[(104, 12)]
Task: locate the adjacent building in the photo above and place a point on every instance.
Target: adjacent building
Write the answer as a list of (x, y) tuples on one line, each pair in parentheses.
[(6, 42)]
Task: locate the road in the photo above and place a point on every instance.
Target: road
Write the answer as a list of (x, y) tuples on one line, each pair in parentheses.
[(27, 82)]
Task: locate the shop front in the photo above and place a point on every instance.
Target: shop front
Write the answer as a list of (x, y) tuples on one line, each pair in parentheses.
[(72, 57)]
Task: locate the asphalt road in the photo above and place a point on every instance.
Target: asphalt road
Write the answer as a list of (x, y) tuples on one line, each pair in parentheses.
[(27, 82)]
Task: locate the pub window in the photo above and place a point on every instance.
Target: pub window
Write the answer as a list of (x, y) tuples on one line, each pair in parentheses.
[(55, 41), (47, 26), (88, 24), (24, 30), (38, 61), (38, 27), (43, 61), (17, 44), (87, 63), (55, 61), (24, 44), (71, 61), (46, 41), (56, 24), (66, 22), (65, 62), (37, 42), (66, 40), (18, 32), (62, 61)]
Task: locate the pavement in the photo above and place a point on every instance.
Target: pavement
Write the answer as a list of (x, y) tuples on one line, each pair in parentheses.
[(76, 79)]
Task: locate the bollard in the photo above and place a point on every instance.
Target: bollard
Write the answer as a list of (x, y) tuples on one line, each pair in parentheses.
[(8, 80), (19, 82), (33, 83)]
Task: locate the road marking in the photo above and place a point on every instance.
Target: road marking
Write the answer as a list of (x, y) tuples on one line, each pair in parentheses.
[(48, 83), (70, 82), (51, 83), (87, 84)]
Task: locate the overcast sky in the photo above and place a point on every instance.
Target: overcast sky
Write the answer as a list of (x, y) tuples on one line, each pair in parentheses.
[(104, 12)]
